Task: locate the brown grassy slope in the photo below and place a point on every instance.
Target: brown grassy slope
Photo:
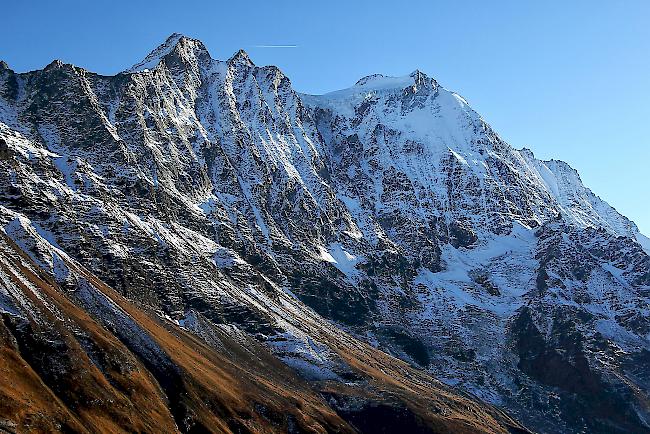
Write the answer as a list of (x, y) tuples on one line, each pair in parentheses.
[(52, 350), (202, 389), (61, 369)]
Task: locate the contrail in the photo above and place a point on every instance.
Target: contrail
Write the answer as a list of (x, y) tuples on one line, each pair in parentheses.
[(276, 46)]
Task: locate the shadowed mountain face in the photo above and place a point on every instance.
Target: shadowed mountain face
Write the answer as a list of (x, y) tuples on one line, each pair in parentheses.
[(81, 358), (212, 249)]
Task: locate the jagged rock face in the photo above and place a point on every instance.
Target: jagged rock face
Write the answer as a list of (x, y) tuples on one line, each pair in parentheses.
[(586, 320), (207, 189), (81, 358)]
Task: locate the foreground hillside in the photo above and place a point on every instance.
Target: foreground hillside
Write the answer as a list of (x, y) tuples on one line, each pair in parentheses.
[(83, 359)]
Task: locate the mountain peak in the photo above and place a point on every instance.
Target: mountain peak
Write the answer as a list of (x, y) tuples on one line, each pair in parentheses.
[(175, 37), (418, 76), (175, 42), (240, 58), (381, 81), (57, 64), (368, 78)]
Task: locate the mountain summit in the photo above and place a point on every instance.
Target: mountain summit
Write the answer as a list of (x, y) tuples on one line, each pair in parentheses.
[(192, 245), (176, 45)]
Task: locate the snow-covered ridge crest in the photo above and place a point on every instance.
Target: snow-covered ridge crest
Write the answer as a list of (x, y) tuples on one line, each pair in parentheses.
[(173, 42), (418, 112), (376, 84), (579, 204)]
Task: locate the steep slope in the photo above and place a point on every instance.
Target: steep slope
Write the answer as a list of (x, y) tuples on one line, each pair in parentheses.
[(406, 142), (119, 370), (83, 359), (487, 291), (211, 194)]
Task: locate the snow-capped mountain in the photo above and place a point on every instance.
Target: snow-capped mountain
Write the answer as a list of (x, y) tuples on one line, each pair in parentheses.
[(214, 197)]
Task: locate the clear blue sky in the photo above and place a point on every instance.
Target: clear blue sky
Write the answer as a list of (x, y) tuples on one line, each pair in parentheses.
[(568, 79)]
